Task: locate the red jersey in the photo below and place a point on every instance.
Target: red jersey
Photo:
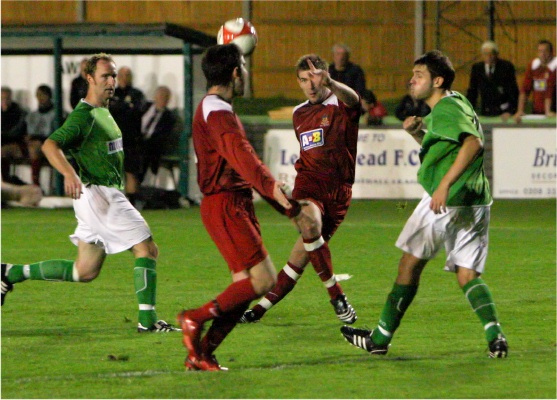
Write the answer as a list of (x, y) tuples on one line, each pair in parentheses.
[(226, 161), (540, 79), (328, 136)]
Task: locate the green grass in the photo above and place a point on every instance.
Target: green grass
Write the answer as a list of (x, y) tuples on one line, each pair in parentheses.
[(58, 338)]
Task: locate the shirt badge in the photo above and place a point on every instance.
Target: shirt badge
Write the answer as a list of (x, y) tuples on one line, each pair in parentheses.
[(325, 121), (311, 139)]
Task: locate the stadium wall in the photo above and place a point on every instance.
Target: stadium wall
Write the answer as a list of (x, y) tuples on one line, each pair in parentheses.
[(380, 33)]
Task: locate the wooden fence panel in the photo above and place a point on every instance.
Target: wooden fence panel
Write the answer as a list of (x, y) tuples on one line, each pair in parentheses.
[(380, 33)]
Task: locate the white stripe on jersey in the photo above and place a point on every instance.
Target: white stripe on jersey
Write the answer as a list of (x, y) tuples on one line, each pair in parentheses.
[(332, 99), (214, 103)]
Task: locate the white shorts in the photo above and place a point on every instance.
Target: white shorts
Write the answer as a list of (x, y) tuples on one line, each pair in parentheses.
[(107, 219), (463, 231)]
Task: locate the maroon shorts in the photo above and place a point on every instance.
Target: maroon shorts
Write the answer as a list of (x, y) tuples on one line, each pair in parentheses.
[(332, 198), (229, 218)]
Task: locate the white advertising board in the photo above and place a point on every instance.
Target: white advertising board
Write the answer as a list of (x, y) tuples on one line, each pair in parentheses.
[(524, 163), (386, 163)]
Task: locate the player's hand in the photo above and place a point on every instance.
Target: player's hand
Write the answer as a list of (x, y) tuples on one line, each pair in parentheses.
[(438, 203), (413, 125), (279, 196), (319, 76), (73, 186)]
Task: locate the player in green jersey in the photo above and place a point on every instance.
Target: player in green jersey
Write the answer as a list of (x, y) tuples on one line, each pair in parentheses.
[(107, 222), (454, 211)]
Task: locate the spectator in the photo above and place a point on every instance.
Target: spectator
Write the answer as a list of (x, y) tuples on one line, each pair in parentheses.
[(79, 85), (345, 71), (157, 127), (494, 79), (539, 78), (13, 132), (126, 108), (374, 110), (40, 124), (411, 107)]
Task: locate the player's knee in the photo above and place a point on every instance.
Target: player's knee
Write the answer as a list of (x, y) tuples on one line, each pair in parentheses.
[(88, 276), (262, 285), (153, 250), (310, 228)]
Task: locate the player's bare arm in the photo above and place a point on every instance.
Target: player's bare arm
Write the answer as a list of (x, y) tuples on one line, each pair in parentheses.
[(56, 158), (471, 148), (344, 93)]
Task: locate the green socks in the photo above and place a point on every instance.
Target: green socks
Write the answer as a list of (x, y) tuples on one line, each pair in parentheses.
[(479, 296), (145, 281), (397, 303), (52, 270)]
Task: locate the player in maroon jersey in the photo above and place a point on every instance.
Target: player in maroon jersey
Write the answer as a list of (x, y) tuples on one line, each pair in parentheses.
[(227, 170), (326, 126)]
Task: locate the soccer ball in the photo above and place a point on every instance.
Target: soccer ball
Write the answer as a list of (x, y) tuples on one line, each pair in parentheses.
[(240, 32)]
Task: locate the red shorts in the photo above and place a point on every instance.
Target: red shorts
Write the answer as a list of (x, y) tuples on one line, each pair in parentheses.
[(229, 218), (332, 198)]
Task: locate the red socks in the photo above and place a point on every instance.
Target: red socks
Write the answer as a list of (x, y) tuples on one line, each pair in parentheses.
[(320, 257), (237, 293)]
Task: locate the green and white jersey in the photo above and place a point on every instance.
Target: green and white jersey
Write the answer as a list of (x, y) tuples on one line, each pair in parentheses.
[(451, 119), (92, 137)]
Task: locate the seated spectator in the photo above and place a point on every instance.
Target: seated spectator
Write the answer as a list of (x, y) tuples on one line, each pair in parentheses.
[(494, 79), (158, 125), (14, 145), (410, 107), (79, 85), (539, 78), (374, 110), (40, 124)]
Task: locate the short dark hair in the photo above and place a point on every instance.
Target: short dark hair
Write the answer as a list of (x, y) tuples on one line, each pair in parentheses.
[(438, 65), (318, 62), (219, 62), (46, 90), (91, 66), (545, 41)]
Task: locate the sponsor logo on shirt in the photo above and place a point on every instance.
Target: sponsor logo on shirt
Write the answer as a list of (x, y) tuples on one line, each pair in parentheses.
[(115, 146), (540, 85), (311, 139)]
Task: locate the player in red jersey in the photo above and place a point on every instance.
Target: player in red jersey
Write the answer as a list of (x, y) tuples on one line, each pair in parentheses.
[(228, 169), (326, 126)]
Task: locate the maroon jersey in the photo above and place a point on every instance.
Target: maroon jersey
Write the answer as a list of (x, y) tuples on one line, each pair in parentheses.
[(226, 160), (328, 136), (541, 80)]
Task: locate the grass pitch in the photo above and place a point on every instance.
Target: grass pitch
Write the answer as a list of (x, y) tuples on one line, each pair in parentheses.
[(75, 340)]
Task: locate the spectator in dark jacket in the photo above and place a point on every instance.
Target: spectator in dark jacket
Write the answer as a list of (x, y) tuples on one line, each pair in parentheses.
[(14, 129), (158, 130), (345, 71), (494, 79), (79, 85)]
